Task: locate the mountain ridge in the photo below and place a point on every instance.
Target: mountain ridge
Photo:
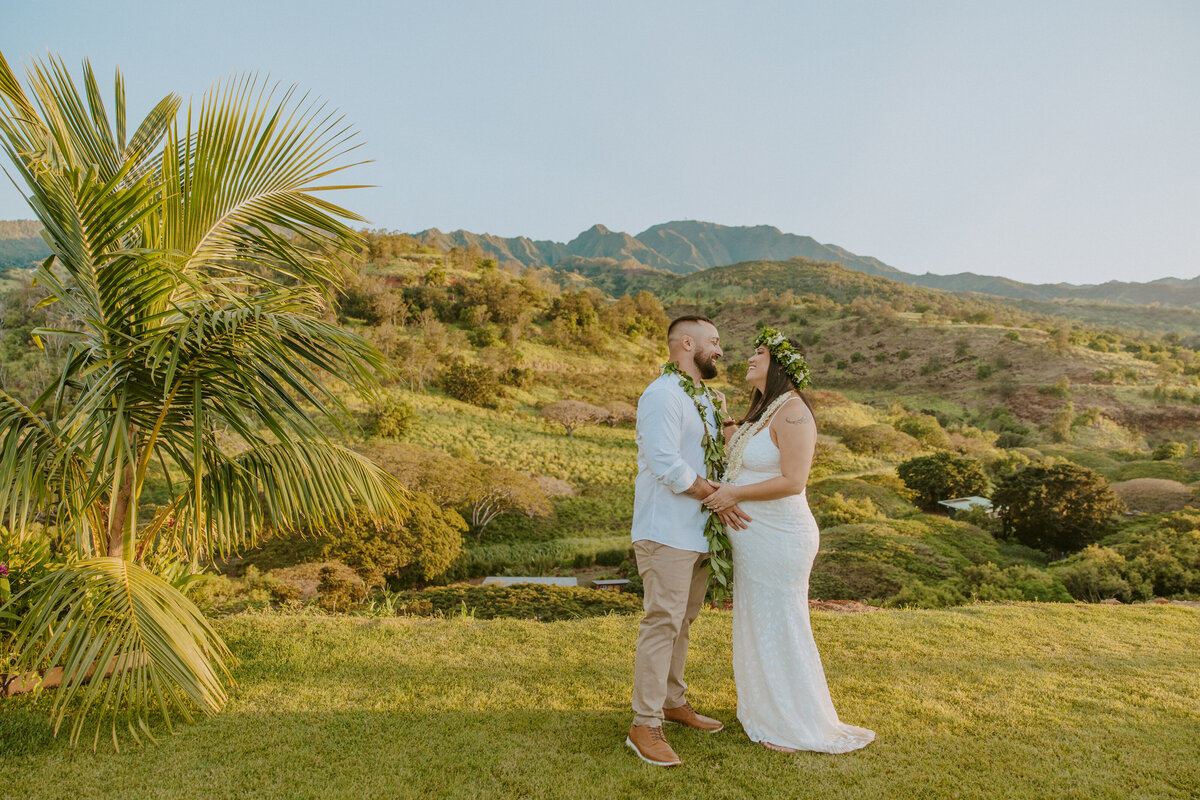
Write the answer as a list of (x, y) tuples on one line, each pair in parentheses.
[(686, 246)]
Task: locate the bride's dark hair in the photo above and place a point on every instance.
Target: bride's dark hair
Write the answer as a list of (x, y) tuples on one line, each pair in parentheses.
[(778, 383)]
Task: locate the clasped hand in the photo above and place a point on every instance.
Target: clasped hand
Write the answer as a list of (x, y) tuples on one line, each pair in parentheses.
[(724, 503)]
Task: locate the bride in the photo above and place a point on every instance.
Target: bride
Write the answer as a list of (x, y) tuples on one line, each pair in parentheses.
[(782, 699)]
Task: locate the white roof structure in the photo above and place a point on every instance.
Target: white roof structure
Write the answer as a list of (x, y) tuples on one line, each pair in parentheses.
[(505, 580), (963, 503)]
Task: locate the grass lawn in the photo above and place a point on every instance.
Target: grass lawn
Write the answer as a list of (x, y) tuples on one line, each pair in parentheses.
[(1013, 701)]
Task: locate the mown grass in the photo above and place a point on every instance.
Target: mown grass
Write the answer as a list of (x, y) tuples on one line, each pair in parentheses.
[(988, 701)]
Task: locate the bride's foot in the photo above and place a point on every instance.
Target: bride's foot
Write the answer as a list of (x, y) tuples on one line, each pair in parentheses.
[(779, 748)]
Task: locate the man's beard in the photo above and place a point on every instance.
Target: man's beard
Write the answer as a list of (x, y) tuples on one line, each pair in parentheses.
[(707, 367)]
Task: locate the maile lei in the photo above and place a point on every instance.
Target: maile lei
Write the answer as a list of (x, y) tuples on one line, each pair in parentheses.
[(720, 557)]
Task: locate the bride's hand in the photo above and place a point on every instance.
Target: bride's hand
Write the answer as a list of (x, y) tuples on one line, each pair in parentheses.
[(723, 498)]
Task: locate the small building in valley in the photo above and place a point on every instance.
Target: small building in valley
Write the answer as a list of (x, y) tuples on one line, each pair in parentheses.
[(956, 504)]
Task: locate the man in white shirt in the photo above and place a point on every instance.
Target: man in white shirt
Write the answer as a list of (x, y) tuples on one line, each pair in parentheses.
[(668, 536)]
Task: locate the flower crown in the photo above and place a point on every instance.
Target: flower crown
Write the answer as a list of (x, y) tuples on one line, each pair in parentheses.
[(789, 358)]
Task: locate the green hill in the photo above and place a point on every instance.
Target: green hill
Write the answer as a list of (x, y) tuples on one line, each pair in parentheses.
[(988, 701), (21, 244)]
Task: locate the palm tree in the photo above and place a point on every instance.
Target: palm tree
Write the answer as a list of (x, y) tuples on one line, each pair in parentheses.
[(196, 264)]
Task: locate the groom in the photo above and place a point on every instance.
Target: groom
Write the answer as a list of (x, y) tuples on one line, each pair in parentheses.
[(668, 536)]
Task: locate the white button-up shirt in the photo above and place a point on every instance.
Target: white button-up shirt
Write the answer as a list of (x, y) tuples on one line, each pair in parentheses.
[(670, 458)]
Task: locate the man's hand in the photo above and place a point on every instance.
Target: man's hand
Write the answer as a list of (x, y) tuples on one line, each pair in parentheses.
[(734, 518), (699, 489)]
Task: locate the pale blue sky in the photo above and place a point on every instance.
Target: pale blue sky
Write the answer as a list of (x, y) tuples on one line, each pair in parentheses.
[(1043, 141)]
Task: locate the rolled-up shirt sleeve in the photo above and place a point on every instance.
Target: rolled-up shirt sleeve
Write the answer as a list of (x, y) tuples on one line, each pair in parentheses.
[(659, 419)]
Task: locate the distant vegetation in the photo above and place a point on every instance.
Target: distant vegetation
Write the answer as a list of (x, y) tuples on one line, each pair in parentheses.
[(510, 407)]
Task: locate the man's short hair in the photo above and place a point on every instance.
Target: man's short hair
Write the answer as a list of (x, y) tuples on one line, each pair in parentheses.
[(687, 318)]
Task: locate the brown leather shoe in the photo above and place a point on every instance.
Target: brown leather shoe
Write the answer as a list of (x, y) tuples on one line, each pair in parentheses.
[(686, 715), (651, 746)]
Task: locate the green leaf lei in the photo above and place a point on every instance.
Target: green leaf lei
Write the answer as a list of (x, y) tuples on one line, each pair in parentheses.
[(720, 555)]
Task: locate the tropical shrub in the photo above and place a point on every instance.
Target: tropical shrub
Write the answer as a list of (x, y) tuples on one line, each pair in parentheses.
[(520, 601), (942, 476)]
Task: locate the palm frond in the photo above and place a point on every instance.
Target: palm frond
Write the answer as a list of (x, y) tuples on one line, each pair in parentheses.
[(285, 486), (108, 613), (40, 472), (262, 161)]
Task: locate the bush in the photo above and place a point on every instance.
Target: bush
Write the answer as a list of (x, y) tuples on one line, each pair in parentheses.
[(421, 546), (1166, 451), (925, 428), (1060, 388), (477, 384), (880, 439), (1100, 573), (1018, 582), (888, 495), (919, 595), (1153, 495), (25, 559), (1153, 556), (942, 476), (389, 417), (837, 509), (338, 590), (524, 601), (1056, 507)]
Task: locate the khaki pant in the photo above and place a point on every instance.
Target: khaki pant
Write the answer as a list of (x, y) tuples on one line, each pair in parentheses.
[(675, 582)]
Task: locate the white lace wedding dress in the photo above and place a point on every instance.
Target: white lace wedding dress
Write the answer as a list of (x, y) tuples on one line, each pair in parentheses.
[(782, 696)]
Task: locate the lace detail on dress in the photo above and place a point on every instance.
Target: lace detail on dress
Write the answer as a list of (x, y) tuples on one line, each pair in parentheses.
[(783, 697)]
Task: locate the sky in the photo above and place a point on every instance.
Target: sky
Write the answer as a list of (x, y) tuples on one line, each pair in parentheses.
[(1043, 141)]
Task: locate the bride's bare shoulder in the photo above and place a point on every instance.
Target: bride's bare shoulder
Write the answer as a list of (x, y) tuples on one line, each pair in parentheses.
[(794, 412)]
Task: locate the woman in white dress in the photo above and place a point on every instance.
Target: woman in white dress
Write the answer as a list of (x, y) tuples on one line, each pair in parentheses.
[(782, 698)]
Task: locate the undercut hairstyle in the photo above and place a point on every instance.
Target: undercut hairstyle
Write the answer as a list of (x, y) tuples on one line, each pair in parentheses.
[(778, 383), (685, 319)]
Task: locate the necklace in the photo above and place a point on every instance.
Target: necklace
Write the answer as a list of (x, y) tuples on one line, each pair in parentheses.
[(720, 558), (741, 438)]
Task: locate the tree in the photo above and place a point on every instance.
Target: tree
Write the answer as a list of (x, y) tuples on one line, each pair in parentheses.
[(477, 384), (942, 476), (619, 413), (195, 265), (389, 417), (480, 492), (1056, 507), (572, 414)]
